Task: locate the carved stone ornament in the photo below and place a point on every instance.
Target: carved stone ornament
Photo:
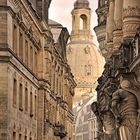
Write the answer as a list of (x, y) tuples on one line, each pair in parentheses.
[(129, 29), (124, 106), (131, 12)]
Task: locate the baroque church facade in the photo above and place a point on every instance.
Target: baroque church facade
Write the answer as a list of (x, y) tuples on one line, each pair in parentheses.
[(86, 63), (36, 83), (118, 101), (83, 56)]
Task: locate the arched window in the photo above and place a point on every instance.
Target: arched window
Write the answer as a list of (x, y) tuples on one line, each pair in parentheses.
[(83, 22)]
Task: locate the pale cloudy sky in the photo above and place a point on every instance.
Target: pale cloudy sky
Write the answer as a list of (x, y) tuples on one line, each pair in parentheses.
[(60, 11)]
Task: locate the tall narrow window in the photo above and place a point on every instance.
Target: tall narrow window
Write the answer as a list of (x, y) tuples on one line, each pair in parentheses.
[(21, 45), (20, 97), (35, 106), (31, 104), (54, 87), (25, 138), (31, 57), (26, 99), (83, 22), (35, 62), (15, 39), (14, 135), (19, 136), (26, 52), (15, 92)]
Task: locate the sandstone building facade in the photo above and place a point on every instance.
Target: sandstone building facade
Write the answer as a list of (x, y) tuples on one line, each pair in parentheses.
[(86, 63), (85, 121), (117, 106), (36, 83), (83, 56)]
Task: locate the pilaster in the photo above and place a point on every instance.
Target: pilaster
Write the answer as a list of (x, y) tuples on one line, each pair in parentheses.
[(131, 18)]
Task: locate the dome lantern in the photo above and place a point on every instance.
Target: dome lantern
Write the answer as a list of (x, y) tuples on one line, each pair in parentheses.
[(81, 4)]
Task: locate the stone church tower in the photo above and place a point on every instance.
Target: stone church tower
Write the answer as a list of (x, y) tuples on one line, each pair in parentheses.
[(83, 56)]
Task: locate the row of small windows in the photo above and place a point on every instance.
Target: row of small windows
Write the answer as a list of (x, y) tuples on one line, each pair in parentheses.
[(27, 100), (24, 49), (57, 80), (21, 137)]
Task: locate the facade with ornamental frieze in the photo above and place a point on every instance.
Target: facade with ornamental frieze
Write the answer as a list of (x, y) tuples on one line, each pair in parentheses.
[(36, 83), (117, 106)]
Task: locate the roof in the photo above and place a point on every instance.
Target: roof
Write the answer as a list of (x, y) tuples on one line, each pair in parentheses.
[(56, 29), (54, 23), (81, 4)]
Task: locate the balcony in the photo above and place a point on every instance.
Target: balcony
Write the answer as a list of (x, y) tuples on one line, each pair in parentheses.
[(60, 131)]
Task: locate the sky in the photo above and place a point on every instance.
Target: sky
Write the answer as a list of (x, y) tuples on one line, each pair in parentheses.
[(60, 11)]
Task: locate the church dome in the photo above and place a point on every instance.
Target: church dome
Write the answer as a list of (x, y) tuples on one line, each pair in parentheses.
[(81, 4), (86, 62)]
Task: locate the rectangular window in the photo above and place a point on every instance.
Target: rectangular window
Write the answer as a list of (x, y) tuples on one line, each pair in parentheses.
[(26, 52), (26, 99), (14, 135), (25, 138), (15, 39), (31, 104), (35, 62), (31, 57), (15, 92), (54, 81), (21, 46), (35, 104), (19, 136), (20, 97)]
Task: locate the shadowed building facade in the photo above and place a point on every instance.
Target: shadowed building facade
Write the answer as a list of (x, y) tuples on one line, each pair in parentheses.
[(118, 100), (36, 83)]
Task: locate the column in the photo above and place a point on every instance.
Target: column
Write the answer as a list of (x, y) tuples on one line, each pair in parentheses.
[(131, 18), (117, 34), (109, 28), (110, 21)]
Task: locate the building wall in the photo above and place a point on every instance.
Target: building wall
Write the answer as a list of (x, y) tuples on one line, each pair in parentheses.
[(85, 121), (118, 98), (36, 84)]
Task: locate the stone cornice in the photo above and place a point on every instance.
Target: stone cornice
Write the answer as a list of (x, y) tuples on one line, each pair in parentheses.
[(27, 30), (12, 59), (25, 8)]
